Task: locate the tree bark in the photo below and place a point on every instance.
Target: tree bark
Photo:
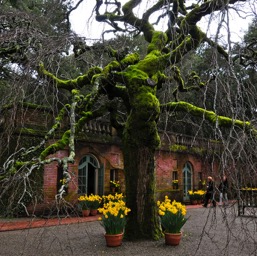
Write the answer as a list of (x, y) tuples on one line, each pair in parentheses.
[(141, 140), (140, 193)]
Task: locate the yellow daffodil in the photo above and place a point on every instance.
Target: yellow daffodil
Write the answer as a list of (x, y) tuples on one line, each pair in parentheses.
[(114, 211), (90, 202), (172, 215)]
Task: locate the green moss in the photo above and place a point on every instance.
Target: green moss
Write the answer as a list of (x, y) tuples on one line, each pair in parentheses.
[(198, 151), (81, 122), (127, 7), (138, 134), (159, 40), (141, 80), (67, 84), (197, 34), (210, 115), (73, 83), (178, 148), (34, 106), (153, 63), (150, 62), (16, 167), (28, 131), (134, 77), (86, 79), (98, 79), (141, 128), (113, 65), (159, 77), (60, 144), (184, 47), (112, 52), (147, 105), (130, 59), (28, 105), (61, 113), (191, 150), (19, 164), (75, 92), (226, 121)]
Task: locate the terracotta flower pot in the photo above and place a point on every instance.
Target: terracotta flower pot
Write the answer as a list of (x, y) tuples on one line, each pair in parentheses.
[(172, 238), (93, 212), (113, 240), (85, 213), (194, 202)]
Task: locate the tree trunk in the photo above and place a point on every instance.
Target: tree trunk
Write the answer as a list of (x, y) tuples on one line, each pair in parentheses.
[(140, 141), (143, 221)]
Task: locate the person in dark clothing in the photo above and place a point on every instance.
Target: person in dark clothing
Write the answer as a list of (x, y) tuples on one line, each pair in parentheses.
[(223, 189), (210, 193)]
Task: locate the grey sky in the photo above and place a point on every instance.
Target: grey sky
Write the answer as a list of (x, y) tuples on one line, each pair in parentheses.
[(237, 21)]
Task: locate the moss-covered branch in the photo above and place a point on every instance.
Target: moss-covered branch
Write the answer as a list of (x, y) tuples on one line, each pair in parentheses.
[(50, 133), (60, 144), (219, 48), (193, 83), (75, 126), (71, 84), (211, 116), (70, 159), (128, 17), (156, 7)]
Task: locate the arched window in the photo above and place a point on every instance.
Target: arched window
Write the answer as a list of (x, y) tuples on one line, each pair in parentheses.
[(187, 179), (90, 178)]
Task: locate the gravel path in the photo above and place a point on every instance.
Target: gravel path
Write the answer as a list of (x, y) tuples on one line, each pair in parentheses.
[(207, 232)]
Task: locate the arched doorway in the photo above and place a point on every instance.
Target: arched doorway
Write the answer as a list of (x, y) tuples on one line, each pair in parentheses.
[(187, 180), (90, 176)]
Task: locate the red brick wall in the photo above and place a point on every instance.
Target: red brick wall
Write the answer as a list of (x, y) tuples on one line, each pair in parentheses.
[(165, 164), (50, 177), (111, 157)]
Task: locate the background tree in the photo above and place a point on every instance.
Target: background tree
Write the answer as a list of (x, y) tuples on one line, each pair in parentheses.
[(136, 83), (30, 32)]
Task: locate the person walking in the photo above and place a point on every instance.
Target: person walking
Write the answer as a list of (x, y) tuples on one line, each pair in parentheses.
[(210, 193), (223, 189)]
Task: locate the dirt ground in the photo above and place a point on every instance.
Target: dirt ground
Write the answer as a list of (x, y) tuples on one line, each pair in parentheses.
[(209, 231)]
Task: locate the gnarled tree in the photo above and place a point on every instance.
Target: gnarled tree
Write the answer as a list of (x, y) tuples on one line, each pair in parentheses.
[(131, 82)]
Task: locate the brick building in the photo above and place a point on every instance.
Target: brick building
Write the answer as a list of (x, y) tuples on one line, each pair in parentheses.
[(182, 162)]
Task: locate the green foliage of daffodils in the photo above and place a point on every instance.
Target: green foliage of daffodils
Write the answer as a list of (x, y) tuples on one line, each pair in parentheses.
[(114, 216), (172, 215)]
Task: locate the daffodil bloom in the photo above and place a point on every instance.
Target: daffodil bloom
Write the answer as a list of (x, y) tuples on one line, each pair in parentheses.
[(161, 213), (196, 195), (90, 202), (162, 207), (114, 212), (172, 215)]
